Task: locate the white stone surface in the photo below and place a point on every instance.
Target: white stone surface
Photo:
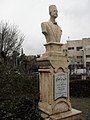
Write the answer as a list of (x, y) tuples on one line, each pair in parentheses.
[(60, 84)]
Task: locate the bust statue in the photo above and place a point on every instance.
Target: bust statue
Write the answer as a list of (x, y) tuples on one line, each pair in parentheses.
[(50, 29)]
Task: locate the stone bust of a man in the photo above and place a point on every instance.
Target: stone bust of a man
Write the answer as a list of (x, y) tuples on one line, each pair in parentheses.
[(50, 29)]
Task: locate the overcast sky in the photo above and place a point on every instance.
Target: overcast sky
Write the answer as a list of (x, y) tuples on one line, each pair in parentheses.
[(73, 17)]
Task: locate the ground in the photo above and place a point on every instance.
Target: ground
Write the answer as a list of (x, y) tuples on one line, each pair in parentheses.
[(82, 104)]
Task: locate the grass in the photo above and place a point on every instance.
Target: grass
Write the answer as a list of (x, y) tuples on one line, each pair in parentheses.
[(82, 104)]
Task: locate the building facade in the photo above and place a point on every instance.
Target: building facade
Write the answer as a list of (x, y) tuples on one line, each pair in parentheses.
[(78, 52)]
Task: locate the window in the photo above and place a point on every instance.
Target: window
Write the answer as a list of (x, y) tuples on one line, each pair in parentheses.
[(70, 48), (78, 48), (79, 57), (87, 56), (64, 50)]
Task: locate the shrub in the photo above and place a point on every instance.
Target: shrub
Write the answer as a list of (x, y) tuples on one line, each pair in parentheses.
[(80, 88), (19, 95)]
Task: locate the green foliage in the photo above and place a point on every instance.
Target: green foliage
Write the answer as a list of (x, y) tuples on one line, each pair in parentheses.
[(80, 88), (19, 95)]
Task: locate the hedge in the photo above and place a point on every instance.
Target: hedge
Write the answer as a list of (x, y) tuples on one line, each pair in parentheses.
[(19, 95), (80, 88)]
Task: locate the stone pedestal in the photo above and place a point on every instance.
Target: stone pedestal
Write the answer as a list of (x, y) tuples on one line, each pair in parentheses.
[(54, 85)]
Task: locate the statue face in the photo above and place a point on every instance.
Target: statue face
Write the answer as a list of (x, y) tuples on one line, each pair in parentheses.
[(54, 12)]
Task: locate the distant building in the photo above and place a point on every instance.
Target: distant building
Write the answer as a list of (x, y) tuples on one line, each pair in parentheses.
[(78, 52)]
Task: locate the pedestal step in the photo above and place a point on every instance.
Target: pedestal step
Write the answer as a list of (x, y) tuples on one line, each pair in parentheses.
[(71, 115)]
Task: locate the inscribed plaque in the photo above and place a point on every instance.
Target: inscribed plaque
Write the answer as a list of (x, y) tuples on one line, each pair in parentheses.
[(60, 85)]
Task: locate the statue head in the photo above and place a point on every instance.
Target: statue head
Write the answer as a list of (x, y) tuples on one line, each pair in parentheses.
[(53, 11)]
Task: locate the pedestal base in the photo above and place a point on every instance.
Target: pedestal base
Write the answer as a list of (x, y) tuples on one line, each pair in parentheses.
[(70, 115)]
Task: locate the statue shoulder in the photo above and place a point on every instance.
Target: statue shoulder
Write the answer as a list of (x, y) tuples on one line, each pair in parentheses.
[(43, 24), (44, 27), (60, 28)]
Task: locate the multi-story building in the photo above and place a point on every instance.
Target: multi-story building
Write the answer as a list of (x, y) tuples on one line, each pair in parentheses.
[(78, 52)]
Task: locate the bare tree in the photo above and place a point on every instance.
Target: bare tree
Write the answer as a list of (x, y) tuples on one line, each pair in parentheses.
[(10, 38)]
